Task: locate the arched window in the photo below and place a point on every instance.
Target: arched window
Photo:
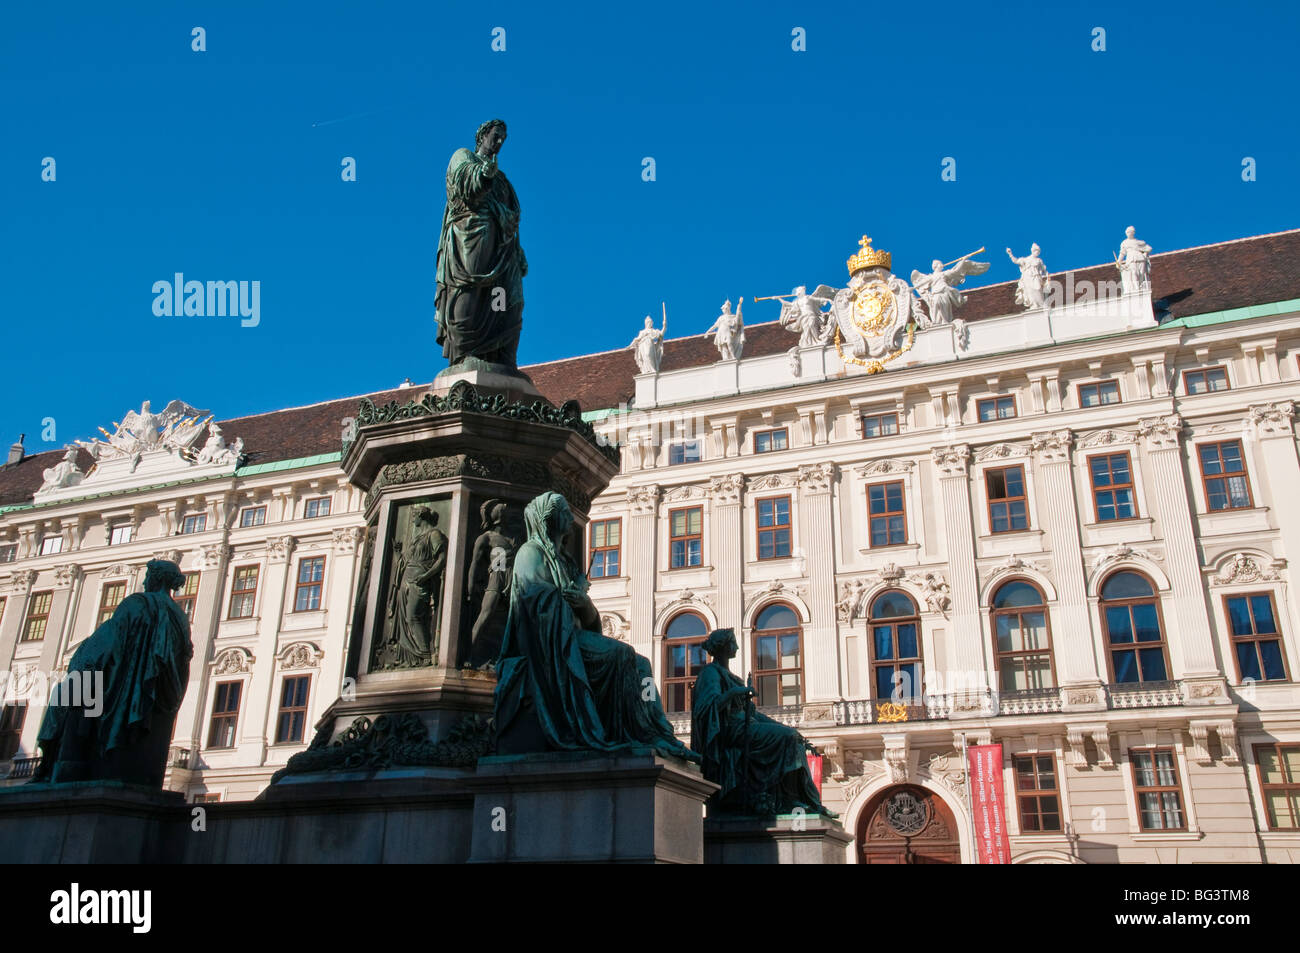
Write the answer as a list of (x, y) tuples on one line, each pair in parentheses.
[(1022, 637), (778, 656), (1134, 636), (684, 656), (895, 648)]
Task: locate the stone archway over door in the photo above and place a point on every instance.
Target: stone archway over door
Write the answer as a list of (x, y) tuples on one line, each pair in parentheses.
[(906, 824)]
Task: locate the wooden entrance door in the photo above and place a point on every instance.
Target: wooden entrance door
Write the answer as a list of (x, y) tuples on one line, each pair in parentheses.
[(907, 824)]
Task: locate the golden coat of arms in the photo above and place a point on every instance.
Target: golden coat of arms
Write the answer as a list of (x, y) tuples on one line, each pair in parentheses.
[(873, 316)]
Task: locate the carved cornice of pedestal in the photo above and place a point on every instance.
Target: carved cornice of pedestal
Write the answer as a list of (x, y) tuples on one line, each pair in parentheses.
[(1244, 567), (816, 477), (643, 500), (884, 467), (347, 539), (1272, 420), (1100, 439), (280, 549), (300, 655), (952, 461), (212, 554), (1002, 451), (1052, 446), (66, 575), (727, 489), (21, 582), (1161, 433)]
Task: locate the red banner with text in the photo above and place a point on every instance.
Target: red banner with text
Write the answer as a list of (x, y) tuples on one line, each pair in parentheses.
[(988, 804), (815, 769)]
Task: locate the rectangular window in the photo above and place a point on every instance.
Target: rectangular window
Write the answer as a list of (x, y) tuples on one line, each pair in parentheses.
[(38, 616), (1008, 510), (1159, 797), (995, 408), (606, 538), (879, 425), (1256, 641), (320, 506), (293, 710), (311, 575), (1223, 472), (765, 441), (686, 537), (684, 659), (12, 718), (8, 552), (194, 524), (888, 514), (687, 451), (774, 528), (1112, 487), (51, 545), (188, 594), (778, 669), (252, 516), (121, 534), (1098, 393), (1036, 793), (109, 598), (1205, 380), (206, 799), (243, 594), (1279, 778), (225, 714)]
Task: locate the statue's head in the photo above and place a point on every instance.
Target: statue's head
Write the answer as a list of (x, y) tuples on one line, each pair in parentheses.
[(70, 456), (426, 516), (162, 575), (649, 322), (1034, 249), (726, 306), (548, 516), (1130, 232), (801, 290), (144, 408), (493, 133), (936, 265), (721, 644)]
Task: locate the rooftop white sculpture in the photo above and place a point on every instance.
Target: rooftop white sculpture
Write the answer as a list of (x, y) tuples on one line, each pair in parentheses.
[(1031, 290), (938, 289), (729, 332), (1134, 263), (648, 345)]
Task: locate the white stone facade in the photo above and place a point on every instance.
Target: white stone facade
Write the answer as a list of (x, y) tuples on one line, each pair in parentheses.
[(951, 564)]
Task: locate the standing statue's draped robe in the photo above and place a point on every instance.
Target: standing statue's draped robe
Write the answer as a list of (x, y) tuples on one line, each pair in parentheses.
[(777, 776), (416, 599), (559, 685), (479, 253), (144, 652)]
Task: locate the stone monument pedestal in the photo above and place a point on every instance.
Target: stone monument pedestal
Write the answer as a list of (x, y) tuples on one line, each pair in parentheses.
[(786, 839), (90, 822), (637, 807)]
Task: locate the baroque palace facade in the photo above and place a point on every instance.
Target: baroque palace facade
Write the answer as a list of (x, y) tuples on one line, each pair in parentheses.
[(1065, 528)]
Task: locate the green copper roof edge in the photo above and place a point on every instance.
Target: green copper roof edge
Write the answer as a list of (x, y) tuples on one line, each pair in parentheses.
[(1234, 314), (274, 466)]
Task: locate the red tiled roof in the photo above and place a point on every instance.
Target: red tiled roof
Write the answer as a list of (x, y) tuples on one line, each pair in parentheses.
[(1234, 274)]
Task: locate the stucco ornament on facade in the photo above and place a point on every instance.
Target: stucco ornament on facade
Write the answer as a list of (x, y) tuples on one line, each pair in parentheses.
[(232, 661), (816, 477), (882, 467), (300, 655), (347, 539), (1161, 433), (1106, 438), (1272, 420), (643, 500), (1053, 446), (1243, 567), (951, 461), (727, 489)]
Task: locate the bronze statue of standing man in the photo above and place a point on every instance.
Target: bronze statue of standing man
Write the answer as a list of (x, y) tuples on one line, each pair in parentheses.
[(481, 266)]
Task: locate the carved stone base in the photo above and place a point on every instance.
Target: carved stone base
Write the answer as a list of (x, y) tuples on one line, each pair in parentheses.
[(788, 839), (588, 807), (483, 376)]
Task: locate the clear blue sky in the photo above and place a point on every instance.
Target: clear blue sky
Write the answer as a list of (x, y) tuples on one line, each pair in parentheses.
[(770, 164)]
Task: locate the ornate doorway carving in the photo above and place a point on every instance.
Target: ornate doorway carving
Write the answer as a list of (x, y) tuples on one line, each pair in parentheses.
[(906, 824)]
